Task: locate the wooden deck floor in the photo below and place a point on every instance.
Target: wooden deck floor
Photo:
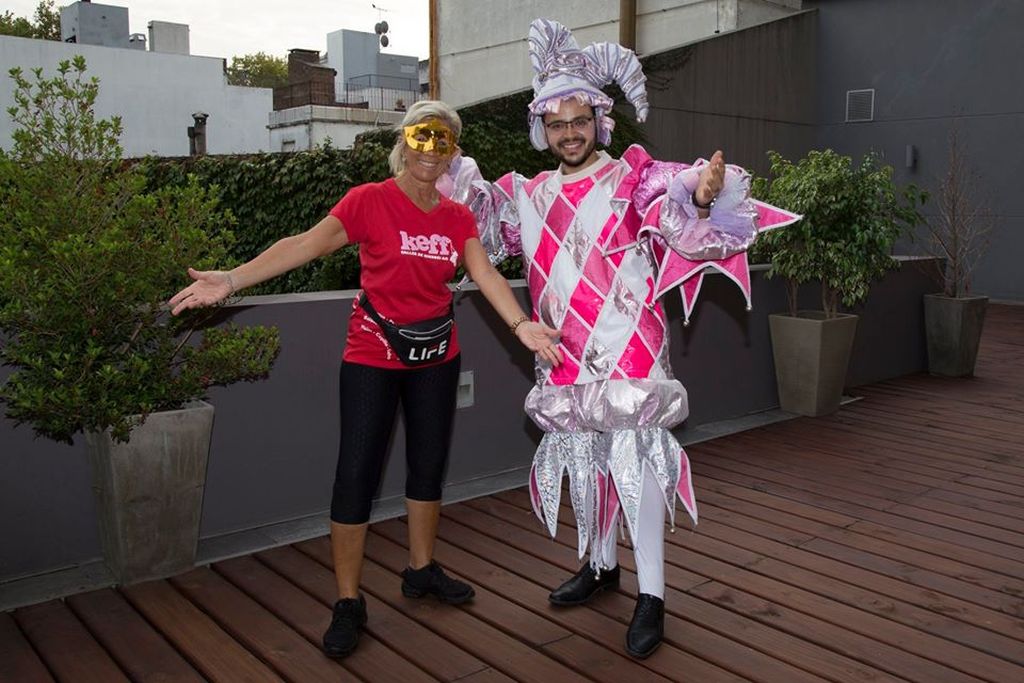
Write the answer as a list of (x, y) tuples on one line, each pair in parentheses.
[(885, 543)]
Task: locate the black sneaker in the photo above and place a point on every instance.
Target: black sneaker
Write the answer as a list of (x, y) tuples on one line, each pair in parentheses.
[(431, 579), (342, 635)]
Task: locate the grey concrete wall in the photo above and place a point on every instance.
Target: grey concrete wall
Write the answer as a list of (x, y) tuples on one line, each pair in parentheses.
[(743, 92), (274, 445), (934, 65)]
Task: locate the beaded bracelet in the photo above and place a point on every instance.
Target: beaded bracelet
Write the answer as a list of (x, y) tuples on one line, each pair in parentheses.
[(517, 322)]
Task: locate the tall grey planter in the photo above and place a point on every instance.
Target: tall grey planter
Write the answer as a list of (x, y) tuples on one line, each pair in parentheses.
[(953, 329), (811, 354), (149, 493)]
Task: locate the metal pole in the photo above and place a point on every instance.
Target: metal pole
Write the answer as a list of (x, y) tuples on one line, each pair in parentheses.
[(432, 71), (627, 24)]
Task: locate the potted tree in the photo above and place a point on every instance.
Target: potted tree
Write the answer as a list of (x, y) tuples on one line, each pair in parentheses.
[(852, 215), (87, 260), (959, 234)]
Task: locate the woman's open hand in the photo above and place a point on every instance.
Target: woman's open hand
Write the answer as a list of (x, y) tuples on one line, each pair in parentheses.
[(540, 339), (210, 287)]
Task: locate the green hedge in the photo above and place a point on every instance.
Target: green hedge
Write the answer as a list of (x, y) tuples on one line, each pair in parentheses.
[(275, 195)]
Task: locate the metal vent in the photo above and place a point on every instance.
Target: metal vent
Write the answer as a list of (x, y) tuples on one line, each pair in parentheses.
[(860, 105)]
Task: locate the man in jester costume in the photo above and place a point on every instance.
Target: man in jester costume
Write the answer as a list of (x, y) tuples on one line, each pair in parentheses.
[(602, 239)]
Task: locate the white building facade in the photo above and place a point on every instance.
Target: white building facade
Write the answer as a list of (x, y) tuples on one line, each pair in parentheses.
[(482, 45), (154, 93), (303, 128)]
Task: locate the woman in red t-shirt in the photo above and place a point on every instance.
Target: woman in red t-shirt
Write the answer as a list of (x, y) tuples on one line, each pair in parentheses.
[(411, 240)]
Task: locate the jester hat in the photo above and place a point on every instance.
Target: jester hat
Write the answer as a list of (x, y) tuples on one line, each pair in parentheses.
[(563, 70)]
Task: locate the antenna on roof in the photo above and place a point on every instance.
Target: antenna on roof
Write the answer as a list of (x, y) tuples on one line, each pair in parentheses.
[(381, 27)]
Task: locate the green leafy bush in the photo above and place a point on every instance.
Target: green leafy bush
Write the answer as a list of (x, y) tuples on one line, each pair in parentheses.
[(852, 215), (88, 259), (275, 195)]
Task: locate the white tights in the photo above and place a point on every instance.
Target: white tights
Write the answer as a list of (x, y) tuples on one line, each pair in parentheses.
[(648, 543)]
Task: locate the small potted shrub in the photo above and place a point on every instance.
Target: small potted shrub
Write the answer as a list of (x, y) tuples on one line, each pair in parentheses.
[(87, 261), (959, 234), (852, 215)]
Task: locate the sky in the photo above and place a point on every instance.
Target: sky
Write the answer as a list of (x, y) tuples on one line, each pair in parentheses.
[(222, 28)]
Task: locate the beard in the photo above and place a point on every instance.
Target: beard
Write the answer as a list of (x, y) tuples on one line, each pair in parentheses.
[(574, 160)]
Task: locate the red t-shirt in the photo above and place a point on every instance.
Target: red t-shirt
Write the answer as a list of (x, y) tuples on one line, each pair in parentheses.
[(406, 256)]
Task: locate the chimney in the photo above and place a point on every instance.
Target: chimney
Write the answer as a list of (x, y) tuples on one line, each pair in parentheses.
[(197, 135)]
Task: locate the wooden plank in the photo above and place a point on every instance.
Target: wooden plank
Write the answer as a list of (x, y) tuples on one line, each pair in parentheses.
[(946, 451), (731, 453), (810, 604), (980, 485), (532, 537), (206, 645), (387, 625), (772, 504), (831, 459), (290, 655), (847, 456), (493, 602), (919, 631), (946, 424), (883, 655), (1006, 513), (65, 646), (19, 663), (841, 589), (931, 558), (708, 627), (800, 587), (599, 663), (901, 569), (850, 430), (966, 547), (137, 647), (309, 617), (940, 593), (524, 579), (971, 550), (487, 676), (454, 623), (937, 513)]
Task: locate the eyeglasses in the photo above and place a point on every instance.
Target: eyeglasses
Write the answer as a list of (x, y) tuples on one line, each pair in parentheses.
[(578, 123), (432, 136)]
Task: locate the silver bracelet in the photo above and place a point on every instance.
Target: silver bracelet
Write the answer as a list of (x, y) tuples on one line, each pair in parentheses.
[(231, 283)]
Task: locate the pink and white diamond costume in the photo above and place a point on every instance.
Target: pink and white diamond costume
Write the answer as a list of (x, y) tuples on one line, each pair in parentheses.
[(600, 248)]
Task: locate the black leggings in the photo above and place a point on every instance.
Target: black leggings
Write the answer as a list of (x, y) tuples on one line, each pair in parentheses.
[(369, 401)]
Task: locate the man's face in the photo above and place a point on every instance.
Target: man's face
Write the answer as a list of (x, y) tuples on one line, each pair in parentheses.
[(572, 135)]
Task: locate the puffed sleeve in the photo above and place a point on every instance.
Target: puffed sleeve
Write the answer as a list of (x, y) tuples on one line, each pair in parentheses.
[(497, 220), (731, 226)]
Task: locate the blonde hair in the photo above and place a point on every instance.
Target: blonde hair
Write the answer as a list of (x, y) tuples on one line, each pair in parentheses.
[(417, 113)]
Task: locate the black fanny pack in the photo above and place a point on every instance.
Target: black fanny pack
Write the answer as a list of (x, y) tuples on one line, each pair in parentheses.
[(418, 343)]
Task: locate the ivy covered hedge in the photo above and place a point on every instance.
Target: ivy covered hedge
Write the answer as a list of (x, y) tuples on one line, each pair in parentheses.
[(275, 195)]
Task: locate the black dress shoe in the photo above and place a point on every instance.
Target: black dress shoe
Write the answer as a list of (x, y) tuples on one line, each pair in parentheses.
[(647, 628), (584, 585), (348, 619)]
